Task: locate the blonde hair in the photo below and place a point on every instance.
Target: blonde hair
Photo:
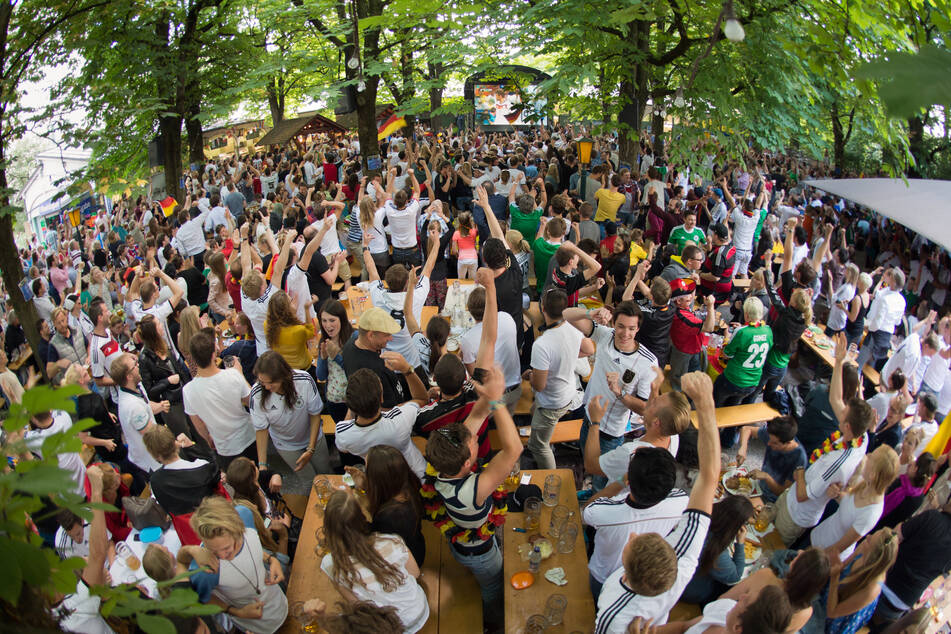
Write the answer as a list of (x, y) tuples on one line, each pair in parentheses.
[(801, 302), (516, 242), (884, 464), (216, 517), (158, 564), (190, 324), (651, 565), (852, 274), (752, 309), (367, 213), (72, 374)]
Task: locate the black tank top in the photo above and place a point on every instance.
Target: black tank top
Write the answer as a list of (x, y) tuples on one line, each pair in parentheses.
[(854, 328)]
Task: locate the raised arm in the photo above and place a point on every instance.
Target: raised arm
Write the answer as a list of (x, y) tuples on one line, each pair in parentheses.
[(94, 571), (820, 255), (788, 245), (591, 266), (433, 253), (699, 388), (490, 392), (637, 282), (177, 292), (412, 326), (277, 273), (372, 274), (836, 399), (494, 228), (490, 320)]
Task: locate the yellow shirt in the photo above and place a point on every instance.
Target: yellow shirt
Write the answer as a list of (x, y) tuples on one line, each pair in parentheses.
[(292, 345), (608, 204), (637, 253)]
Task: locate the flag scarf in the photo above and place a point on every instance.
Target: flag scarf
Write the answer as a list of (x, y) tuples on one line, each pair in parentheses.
[(390, 126), (168, 205)]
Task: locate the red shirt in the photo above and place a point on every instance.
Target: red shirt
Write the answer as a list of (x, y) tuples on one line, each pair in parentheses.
[(719, 263), (330, 173), (234, 289), (686, 331)]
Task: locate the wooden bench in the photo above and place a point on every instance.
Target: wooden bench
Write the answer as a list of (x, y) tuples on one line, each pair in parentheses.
[(736, 415), (565, 431)]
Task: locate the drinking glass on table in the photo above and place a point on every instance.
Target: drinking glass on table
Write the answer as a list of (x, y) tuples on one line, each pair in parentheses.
[(304, 617), (763, 518), (124, 552), (552, 490), (533, 511), (536, 624), (324, 490), (567, 539), (559, 517), (555, 609)]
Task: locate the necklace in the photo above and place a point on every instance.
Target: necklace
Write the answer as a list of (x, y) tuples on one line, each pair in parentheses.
[(254, 584)]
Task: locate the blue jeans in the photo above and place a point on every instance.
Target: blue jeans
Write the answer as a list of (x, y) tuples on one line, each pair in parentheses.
[(607, 444), (487, 569), (595, 589), (772, 377), (409, 256)]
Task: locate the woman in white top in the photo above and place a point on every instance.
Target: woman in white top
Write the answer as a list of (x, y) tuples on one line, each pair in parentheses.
[(248, 579), (369, 566), (841, 298), (767, 610), (371, 223), (860, 509)]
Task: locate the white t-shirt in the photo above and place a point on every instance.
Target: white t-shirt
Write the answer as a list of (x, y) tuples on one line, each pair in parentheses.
[(833, 528), (880, 403), (256, 310), (217, 216), (160, 310), (936, 373), (298, 290), (929, 428), (217, 401), (289, 428), (506, 353), (838, 316), (135, 414), (377, 234), (618, 517), (330, 243), (556, 351), (408, 598), (66, 547), (833, 467), (402, 223), (393, 429), (71, 461), (102, 352), (607, 359), (618, 605), (615, 462), (80, 612), (714, 615), (743, 228), (269, 184), (392, 303), (907, 357)]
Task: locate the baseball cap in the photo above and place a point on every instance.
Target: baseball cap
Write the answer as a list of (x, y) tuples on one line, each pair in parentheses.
[(70, 302), (720, 230), (682, 286), (378, 320)]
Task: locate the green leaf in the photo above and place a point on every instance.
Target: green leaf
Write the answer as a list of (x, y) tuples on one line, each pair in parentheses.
[(155, 624), (32, 562), (12, 578)]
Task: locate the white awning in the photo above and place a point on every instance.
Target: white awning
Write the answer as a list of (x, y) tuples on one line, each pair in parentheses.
[(924, 206)]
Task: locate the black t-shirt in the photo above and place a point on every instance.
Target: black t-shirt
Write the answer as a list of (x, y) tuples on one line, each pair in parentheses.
[(197, 286), (395, 389), (13, 339), (654, 331), (444, 196), (440, 271), (400, 518), (92, 406), (320, 288), (923, 555), (508, 292)]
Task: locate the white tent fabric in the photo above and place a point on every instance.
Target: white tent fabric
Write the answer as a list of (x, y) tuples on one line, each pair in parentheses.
[(924, 206)]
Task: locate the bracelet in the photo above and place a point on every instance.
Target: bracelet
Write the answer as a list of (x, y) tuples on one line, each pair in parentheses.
[(262, 464), (310, 449), (595, 423), (494, 405), (366, 248)]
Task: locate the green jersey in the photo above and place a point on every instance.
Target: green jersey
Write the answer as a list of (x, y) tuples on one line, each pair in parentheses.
[(759, 227), (747, 352), (527, 224), (680, 236), (543, 251)]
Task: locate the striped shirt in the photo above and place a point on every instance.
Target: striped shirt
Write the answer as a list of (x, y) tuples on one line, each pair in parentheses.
[(618, 605), (288, 426), (393, 428), (833, 467)]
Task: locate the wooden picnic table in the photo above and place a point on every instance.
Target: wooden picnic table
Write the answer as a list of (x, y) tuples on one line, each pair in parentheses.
[(825, 354), (354, 295), (521, 604), (17, 363), (455, 604)]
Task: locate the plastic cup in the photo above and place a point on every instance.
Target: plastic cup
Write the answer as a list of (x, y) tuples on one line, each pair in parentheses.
[(533, 511), (552, 490), (567, 538), (536, 624), (559, 517), (555, 609)]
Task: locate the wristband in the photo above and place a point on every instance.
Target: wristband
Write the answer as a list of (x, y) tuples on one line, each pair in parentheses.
[(595, 423), (494, 405), (262, 465), (311, 449)]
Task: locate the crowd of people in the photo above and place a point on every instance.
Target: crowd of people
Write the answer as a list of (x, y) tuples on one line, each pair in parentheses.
[(208, 342)]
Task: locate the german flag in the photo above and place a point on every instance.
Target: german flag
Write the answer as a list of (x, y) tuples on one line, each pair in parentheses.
[(390, 126), (168, 205)]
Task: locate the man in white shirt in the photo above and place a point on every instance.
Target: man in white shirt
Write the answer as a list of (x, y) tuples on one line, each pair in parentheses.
[(927, 410), (552, 374), (191, 234), (46, 424), (219, 214), (256, 291), (103, 349), (136, 411), (656, 569), (744, 221), (800, 507), (884, 315), (401, 212), (216, 401), (623, 373), (394, 428), (506, 350), (144, 295), (392, 298), (652, 505)]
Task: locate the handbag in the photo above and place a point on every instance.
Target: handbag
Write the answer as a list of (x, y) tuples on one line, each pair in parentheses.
[(145, 512)]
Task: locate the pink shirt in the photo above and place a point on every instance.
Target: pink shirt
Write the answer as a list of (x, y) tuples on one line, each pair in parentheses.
[(466, 244), (59, 278)]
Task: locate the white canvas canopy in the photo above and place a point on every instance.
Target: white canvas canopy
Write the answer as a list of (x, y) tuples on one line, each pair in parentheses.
[(924, 206)]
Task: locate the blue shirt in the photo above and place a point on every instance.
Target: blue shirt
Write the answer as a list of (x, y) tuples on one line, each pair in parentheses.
[(780, 465)]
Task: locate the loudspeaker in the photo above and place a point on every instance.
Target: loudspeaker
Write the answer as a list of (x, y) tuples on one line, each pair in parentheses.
[(347, 101), (156, 151)]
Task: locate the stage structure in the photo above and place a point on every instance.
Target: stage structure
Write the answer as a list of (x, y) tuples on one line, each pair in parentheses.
[(507, 97)]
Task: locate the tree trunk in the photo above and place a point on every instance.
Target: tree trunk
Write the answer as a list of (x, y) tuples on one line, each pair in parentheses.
[(275, 99), (435, 91), (366, 121), (171, 131), (196, 138), (629, 125), (838, 139), (12, 274), (916, 145)]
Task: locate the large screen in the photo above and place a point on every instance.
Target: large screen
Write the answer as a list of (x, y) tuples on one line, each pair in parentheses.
[(503, 105)]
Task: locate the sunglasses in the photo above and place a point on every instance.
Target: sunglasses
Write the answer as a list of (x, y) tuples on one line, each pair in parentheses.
[(450, 436)]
